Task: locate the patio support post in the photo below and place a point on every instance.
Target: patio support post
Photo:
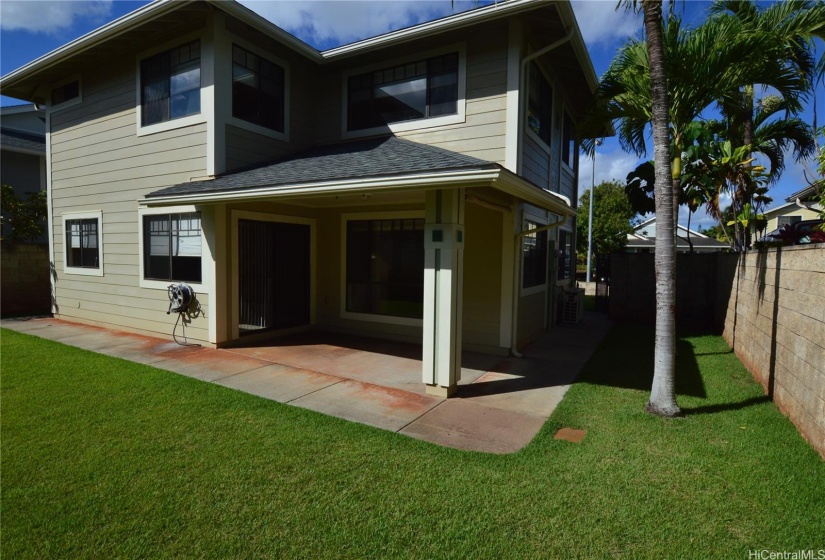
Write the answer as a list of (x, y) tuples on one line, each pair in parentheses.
[(443, 269)]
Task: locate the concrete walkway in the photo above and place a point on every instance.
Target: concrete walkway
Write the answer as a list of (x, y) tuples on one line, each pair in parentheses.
[(500, 406)]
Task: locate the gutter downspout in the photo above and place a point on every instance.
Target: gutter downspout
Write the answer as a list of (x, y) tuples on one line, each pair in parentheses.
[(517, 280), (522, 85)]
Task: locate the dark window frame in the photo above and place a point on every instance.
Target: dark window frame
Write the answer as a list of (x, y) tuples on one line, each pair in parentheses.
[(179, 268), (540, 105), (382, 278), (87, 229), (441, 90), (251, 103), (161, 100), (66, 93), (534, 256), (569, 145)]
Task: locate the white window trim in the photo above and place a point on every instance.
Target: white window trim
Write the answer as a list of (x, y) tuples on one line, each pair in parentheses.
[(235, 263), (530, 134), (207, 61), (93, 214), (570, 279), (71, 102), (540, 288), (417, 124), (371, 317), (564, 165), (200, 287), (230, 119)]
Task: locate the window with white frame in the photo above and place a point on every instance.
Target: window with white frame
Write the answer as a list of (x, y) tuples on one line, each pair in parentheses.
[(65, 94), (83, 243), (385, 267), (257, 90), (568, 145), (785, 220), (416, 90), (534, 257), (172, 245), (170, 84), (539, 104)]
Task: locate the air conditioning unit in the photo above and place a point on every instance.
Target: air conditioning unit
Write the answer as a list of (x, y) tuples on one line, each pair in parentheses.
[(573, 305)]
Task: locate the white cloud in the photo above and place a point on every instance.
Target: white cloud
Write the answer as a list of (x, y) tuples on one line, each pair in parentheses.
[(51, 16), (602, 23), (331, 22), (610, 165)]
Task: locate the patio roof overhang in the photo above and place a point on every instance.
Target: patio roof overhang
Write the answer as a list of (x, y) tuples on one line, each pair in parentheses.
[(493, 176)]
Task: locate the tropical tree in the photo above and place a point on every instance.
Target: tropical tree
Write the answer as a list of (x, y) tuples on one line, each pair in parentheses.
[(612, 219), (663, 392)]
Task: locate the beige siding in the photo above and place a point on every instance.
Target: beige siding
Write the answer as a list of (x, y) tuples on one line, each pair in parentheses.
[(535, 164), (99, 163), (481, 135), (482, 277)]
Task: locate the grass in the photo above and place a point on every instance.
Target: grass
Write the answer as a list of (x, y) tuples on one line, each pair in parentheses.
[(103, 458)]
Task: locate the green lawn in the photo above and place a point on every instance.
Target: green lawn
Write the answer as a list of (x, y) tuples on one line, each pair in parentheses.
[(103, 458)]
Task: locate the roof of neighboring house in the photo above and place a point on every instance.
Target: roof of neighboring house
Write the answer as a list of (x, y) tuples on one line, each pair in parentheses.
[(789, 207), (638, 231), (346, 161), (22, 141), (803, 194), (681, 243)]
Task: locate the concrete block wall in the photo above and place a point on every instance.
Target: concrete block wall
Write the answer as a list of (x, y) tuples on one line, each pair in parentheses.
[(775, 323), (25, 288)]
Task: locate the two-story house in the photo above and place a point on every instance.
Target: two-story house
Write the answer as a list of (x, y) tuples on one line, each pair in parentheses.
[(419, 185)]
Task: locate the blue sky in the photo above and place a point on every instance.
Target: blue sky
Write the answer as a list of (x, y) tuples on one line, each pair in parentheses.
[(32, 28)]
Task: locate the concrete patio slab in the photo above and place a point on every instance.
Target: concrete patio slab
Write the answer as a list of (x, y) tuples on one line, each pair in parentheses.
[(473, 427), (501, 403), (279, 382), (382, 407)]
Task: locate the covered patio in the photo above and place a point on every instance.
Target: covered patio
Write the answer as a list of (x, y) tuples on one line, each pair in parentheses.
[(499, 407)]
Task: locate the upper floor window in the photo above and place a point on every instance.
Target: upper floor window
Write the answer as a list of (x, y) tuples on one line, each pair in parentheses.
[(257, 90), (568, 146), (65, 93), (170, 84), (539, 105), (416, 90)]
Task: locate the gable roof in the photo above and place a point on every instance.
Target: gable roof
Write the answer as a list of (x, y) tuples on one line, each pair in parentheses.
[(19, 141), (802, 195), (346, 161), (637, 231), (359, 167), (21, 82)]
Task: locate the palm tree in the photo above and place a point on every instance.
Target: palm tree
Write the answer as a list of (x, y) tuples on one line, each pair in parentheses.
[(663, 391)]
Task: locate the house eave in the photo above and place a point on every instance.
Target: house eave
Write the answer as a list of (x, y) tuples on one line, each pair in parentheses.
[(497, 178)]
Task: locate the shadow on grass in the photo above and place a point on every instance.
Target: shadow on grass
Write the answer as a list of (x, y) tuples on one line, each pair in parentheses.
[(714, 408), (625, 361)]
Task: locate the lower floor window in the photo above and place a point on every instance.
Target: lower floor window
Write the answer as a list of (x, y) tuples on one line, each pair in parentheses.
[(385, 267), (534, 249), (82, 246), (172, 247)]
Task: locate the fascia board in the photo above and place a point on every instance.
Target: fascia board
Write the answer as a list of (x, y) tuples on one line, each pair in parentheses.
[(456, 21), (99, 35), (27, 151), (516, 186), (472, 178)]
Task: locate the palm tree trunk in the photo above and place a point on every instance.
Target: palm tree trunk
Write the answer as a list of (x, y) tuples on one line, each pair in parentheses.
[(663, 393)]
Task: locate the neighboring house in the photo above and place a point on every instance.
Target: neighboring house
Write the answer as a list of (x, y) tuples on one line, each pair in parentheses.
[(416, 185), (798, 207), (643, 240), (23, 150)]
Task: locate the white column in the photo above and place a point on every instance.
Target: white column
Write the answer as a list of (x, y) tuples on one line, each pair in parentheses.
[(443, 270)]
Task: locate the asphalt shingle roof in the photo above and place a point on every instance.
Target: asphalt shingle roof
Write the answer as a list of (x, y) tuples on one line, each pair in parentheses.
[(24, 140), (375, 157)]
